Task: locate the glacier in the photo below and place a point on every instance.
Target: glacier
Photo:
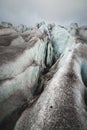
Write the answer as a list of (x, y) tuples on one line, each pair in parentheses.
[(43, 77)]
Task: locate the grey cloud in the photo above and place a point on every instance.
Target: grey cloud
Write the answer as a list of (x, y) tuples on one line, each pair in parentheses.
[(32, 11)]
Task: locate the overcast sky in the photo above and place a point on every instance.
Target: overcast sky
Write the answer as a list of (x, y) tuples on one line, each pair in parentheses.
[(30, 12)]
